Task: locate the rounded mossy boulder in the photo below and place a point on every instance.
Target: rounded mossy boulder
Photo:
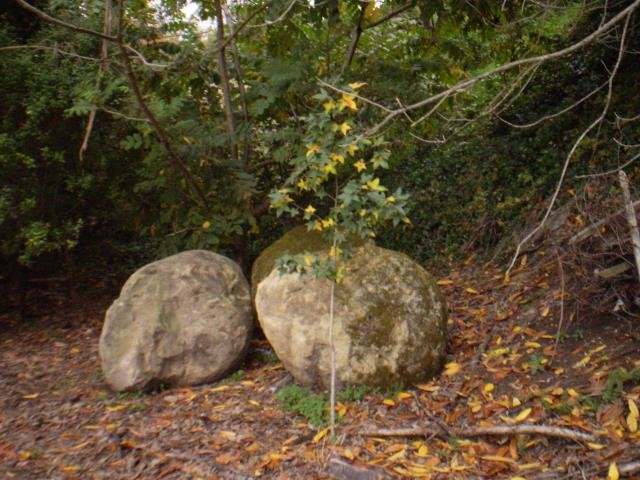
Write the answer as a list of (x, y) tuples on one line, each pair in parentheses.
[(390, 324), (295, 241)]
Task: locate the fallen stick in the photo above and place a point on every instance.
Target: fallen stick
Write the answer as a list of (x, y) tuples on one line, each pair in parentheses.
[(593, 228), (341, 470), (547, 430), (630, 468)]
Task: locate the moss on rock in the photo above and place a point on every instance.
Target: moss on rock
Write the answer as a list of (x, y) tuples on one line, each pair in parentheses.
[(295, 241)]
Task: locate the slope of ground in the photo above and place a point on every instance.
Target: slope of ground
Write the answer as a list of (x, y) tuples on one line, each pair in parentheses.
[(507, 366)]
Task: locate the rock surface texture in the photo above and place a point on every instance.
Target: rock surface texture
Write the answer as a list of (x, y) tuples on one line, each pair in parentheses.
[(183, 320), (390, 321)]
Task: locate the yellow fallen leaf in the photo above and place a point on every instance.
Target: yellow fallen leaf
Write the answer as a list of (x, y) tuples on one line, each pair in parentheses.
[(388, 402), (518, 478), (70, 468), (404, 395), (254, 403), (357, 85), (633, 408), (523, 415), (545, 312), (572, 393), (427, 387), (219, 389), (451, 369), (613, 472), (396, 456), (470, 290), (423, 451), (632, 423), (476, 406), (116, 408), (583, 362), (488, 387), (497, 458), (515, 402), (444, 282), (320, 435), (31, 396), (348, 454), (532, 345), (206, 224), (595, 446)]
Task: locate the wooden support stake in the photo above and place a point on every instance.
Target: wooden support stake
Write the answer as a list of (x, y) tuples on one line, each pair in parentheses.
[(631, 218)]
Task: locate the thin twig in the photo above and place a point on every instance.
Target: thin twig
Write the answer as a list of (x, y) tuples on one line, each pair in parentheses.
[(613, 171), (55, 50), (561, 270), (554, 115)]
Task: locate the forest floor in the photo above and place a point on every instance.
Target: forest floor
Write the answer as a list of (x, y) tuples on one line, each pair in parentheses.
[(58, 419)]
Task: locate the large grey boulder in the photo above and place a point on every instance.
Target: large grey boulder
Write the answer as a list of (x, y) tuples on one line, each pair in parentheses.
[(390, 321), (183, 320)]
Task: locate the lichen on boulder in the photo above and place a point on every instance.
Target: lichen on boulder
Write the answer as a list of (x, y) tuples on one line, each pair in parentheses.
[(297, 240), (390, 323), (183, 320)]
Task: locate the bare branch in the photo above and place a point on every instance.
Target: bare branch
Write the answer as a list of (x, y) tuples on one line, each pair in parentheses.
[(468, 83), (355, 95), (55, 50), (144, 61), (279, 19), (235, 53), (123, 116), (582, 136), (355, 38), (631, 218), (390, 15), (104, 64), (522, 429), (557, 114), (223, 71), (611, 172), (201, 198), (55, 21)]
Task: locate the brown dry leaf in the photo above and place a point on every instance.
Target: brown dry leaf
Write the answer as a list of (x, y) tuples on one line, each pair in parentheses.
[(227, 458)]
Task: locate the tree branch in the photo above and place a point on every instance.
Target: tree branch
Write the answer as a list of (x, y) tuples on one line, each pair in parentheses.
[(468, 83), (355, 38), (104, 64), (70, 26), (390, 15), (582, 136), (159, 131), (223, 71)]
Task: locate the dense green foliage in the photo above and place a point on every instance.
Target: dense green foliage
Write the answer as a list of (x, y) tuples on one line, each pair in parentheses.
[(210, 190)]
